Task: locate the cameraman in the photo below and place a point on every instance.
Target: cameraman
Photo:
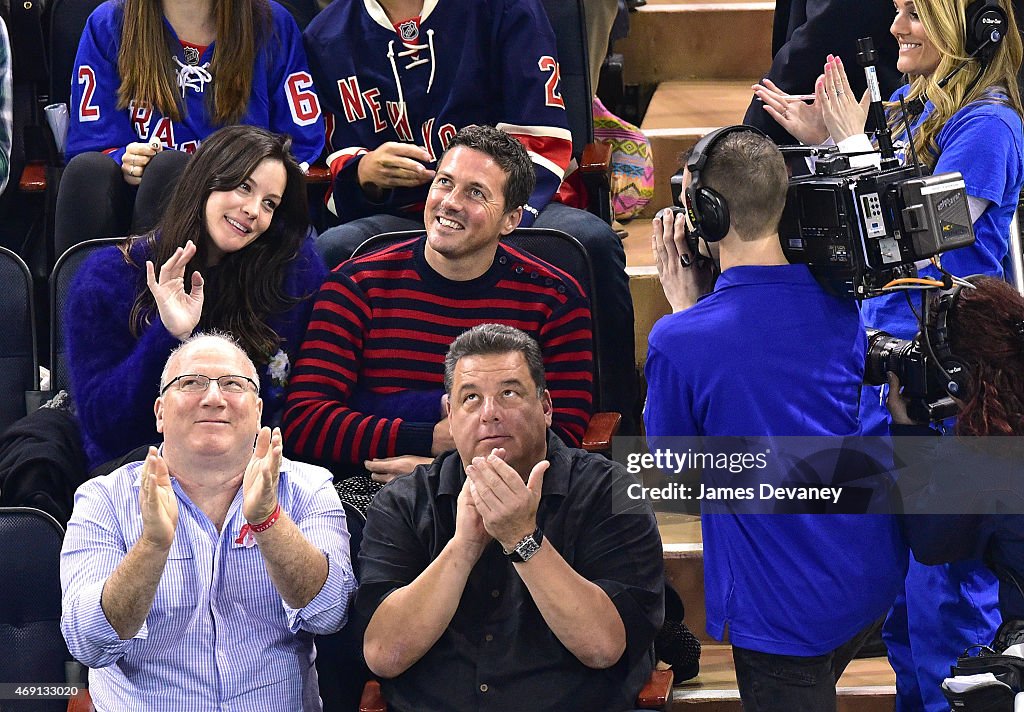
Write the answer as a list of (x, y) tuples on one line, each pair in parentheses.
[(767, 352), (965, 488), (967, 121)]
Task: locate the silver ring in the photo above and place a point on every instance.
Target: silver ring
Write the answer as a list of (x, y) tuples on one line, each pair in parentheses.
[(785, 114), (839, 92)]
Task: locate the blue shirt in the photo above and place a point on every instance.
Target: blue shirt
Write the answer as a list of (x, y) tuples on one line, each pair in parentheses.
[(770, 353), (219, 635), (985, 143)]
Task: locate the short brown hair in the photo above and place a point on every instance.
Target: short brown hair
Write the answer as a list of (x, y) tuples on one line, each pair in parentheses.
[(748, 170)]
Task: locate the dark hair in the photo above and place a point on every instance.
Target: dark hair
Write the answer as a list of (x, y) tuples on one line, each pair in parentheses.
[(491, 339), (986, 332), (748, 170), (247, 285), (508, 153)]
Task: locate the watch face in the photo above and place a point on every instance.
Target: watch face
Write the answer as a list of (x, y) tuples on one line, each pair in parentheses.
[(527, 548)]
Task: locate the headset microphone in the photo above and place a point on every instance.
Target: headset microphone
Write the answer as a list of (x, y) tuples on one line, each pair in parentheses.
[(986, 26)]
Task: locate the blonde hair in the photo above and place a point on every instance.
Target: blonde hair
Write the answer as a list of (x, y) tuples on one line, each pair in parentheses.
[(945, 23), (147, 74)]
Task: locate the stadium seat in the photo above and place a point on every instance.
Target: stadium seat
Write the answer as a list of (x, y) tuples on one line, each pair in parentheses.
[(30, 636), (19, 363), (60, 283)]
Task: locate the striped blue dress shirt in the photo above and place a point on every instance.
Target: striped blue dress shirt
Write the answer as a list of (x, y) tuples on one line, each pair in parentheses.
[(219, 636)]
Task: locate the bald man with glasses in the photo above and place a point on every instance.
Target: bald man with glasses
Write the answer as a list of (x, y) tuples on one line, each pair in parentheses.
[(197, 578)]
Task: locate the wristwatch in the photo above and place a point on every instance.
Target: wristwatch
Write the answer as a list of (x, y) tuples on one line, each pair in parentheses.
[(526, 548)]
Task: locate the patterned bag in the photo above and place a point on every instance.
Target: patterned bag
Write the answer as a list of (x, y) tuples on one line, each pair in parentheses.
[(632, 180)]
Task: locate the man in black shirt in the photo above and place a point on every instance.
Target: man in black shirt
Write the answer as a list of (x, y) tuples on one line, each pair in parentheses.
[(501, 577)]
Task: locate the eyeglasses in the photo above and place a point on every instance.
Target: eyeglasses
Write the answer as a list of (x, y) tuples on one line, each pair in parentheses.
[(198, 383)]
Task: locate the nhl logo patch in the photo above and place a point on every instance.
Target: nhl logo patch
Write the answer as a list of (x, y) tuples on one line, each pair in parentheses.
[(192, 56), (409, 30)]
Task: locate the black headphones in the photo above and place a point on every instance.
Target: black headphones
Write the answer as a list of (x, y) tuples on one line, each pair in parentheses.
[(956, 374), (707, 213), (986, 27)]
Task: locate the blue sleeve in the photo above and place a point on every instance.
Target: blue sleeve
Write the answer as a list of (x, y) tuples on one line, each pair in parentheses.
[(294, 105), (321, 521), (532, 108), (112, 371), (669, 406), (984, 143), (95, 122), (92, 550), (422, 406)]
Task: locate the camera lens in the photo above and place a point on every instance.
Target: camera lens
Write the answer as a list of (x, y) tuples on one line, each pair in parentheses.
[(884, 355)]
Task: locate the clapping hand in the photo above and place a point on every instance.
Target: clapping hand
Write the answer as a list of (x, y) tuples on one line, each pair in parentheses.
[(157, 501), (179, 310), (507, 505), (469, 526), (259, 484), (843, 114), (803, 121)]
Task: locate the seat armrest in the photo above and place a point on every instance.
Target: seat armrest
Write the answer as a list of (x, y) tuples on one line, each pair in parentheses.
[(596, 172), (600, 431), (597, 158), (657, 692), (81, 702), (318, 173), (33, 177), (372, 700)]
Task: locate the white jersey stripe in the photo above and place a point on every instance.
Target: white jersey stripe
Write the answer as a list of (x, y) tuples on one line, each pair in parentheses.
[(551, 131)]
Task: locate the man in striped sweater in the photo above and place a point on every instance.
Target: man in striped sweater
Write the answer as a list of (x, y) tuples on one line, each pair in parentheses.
[(367, 388)]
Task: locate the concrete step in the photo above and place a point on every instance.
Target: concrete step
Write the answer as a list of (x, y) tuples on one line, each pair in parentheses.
[(684, 566), (708, 40), (867, 685), (649, 303), (679, 114)]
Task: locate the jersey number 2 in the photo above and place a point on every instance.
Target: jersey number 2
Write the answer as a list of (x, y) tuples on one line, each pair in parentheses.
[(86, 110), (552, 96)]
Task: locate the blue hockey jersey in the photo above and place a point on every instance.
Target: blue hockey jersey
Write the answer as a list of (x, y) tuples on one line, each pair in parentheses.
[(460, 62), (283, 97)]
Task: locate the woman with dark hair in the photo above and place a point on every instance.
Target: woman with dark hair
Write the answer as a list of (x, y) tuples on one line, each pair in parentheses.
[(986, 333), (233, 252), (972, 499), (152, 75)]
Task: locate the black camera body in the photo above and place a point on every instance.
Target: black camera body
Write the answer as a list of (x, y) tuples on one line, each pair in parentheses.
[(924, 383), (859, 229)]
